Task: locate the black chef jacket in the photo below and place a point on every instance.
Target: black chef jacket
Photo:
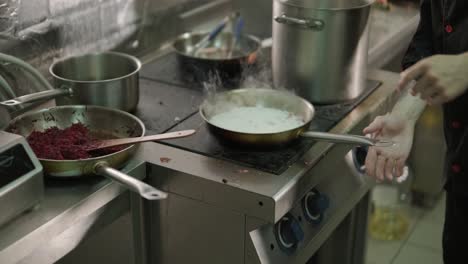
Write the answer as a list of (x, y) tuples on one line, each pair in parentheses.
[(443, 29)]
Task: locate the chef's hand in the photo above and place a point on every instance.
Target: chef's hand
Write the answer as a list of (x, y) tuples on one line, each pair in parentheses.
[(389, 161), (439, 78)]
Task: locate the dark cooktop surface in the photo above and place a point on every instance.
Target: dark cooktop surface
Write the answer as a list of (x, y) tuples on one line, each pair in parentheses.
[(168, 103)]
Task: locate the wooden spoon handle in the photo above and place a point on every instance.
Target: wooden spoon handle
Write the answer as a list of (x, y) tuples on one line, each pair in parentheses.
[(127, 141)]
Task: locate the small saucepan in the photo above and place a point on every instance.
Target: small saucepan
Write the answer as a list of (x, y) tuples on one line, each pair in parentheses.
[(224, 60), (107, 79), (101, 121), (294, 105)]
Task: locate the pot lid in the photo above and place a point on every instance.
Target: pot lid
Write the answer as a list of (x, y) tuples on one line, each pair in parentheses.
[(328, 4)]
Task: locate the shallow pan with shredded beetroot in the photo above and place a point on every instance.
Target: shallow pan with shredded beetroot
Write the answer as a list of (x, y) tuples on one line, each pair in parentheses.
[(66, 144)]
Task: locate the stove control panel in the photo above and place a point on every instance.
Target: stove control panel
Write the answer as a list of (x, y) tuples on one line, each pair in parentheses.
[(314, 205), (291, 231), (306, 226)]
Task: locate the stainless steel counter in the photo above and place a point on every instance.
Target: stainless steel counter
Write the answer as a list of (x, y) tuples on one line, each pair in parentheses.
[(70, 210), (73, 209)]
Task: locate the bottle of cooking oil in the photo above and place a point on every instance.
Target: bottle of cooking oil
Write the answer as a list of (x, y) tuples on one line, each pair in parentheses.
[(389, 218)]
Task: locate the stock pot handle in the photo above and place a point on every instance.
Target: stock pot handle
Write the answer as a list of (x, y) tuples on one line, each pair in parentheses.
[(310, 23), (145, 190), (44, 95)]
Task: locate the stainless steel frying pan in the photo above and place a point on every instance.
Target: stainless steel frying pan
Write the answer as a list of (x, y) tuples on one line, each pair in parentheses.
[(101, 121), (279, 100), (223, 57)]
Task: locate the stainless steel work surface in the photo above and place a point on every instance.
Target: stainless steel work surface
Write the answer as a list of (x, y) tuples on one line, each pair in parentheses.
[(66, 204)]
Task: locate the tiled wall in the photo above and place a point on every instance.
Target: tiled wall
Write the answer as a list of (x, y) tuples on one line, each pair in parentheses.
[(39, 31)]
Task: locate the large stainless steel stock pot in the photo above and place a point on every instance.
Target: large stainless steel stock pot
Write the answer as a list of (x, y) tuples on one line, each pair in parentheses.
[(320, 48)]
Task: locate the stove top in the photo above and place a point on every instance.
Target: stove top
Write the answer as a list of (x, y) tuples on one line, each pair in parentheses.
[(163, 106), (169, 103)]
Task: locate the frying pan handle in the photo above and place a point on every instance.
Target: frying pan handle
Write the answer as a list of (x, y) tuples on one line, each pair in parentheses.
[(346, 139), (145, 190), (44, 95)]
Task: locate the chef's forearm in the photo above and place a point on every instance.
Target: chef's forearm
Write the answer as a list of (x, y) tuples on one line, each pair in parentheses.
[(409, 107)]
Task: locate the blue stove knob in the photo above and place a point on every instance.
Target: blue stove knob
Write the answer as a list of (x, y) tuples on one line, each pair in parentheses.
[(288, 233), (314, 206)]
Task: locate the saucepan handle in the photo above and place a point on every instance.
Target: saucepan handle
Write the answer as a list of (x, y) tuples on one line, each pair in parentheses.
[(145, 190), (44, 95), (347, 139)]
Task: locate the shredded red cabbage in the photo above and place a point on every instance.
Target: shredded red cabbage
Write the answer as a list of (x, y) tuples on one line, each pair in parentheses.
[(66, 144)]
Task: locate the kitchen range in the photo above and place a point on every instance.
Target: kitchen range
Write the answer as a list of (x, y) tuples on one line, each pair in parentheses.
[(231, 205), (246, 206), (241, 205), (305, 202)]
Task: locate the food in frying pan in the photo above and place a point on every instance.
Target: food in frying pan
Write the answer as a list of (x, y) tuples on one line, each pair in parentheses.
[(256, 120), (66, 144)]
